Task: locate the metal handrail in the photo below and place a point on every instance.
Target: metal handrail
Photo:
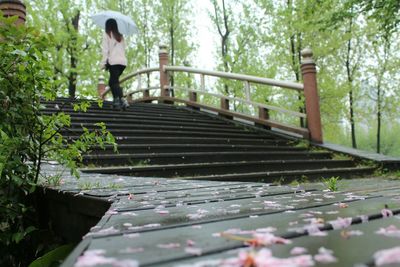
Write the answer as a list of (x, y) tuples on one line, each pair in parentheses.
[(240, 77)]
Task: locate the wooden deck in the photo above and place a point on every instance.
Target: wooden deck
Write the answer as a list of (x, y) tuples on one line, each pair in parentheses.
[(169, 222)]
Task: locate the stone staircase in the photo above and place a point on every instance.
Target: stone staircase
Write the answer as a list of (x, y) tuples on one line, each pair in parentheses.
[(161, 140)]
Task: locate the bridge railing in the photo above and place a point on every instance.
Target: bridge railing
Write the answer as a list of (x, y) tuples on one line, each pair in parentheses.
[(163, 92)]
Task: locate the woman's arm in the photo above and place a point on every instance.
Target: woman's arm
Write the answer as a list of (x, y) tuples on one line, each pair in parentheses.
[(105, 50)]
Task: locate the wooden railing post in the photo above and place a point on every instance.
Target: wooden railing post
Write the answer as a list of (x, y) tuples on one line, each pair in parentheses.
[(192, 98), (263, 114), (163, 59), (101, 87), (12, 8), (309, 72), (225, 106)]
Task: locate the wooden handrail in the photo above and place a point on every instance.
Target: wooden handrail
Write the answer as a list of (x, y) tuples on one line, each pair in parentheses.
[(239, 77), (282, 110), (292, 129), (309, 88), (136, 73)]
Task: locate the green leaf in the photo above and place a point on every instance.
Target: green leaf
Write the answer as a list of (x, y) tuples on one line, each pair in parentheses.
[(53, 257), (19, 52), (17, 237)]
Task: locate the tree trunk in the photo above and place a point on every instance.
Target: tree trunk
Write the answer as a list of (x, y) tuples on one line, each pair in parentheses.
[(295, 51), (380, 92), (350, 82), (224, 37), (352, 123), (378, 134), (172, 44), (72, 78)]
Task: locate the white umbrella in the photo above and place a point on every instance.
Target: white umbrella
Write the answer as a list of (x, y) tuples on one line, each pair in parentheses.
[(125, 24)]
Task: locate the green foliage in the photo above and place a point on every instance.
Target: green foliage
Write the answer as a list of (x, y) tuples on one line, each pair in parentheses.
[(303, 144), (332, 183), (339, 156), (27, 137), (302, 180), (52, 180), (89, 185), (386, 12), (114, 186), (54, 257)]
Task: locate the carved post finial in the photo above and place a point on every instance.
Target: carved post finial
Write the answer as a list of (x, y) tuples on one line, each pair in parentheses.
[(101, 87), (309, 73), (307, 56), (12, 8)]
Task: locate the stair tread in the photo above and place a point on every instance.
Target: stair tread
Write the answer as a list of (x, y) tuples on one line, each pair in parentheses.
[(274, 173), (210, 164), (206, 153), (166, 137)]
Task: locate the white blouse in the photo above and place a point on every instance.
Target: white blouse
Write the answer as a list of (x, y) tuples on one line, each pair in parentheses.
[(114, 51)]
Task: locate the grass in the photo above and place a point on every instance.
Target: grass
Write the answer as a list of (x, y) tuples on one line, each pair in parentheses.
[(393, 175), (303, 144), (53, 180), (88, 185), (302, 180), (114, 186), (332, 183), (339, 156)]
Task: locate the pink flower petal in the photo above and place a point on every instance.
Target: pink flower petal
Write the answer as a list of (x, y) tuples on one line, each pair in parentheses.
[(162, 212), (325, 256), (268, 239), (95, 257), (193, 251), (391, 231), (169, 245), (130, 250), (298, 251), (386, 213), (387, 256), (341, 223), (313, 230), (190, 243)]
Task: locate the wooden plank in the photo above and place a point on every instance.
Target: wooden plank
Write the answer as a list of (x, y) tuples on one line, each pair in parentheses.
[(153, 247), (356, 250), (185, 214)]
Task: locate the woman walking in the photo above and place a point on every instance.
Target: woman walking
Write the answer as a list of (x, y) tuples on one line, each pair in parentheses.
[(114, 60)]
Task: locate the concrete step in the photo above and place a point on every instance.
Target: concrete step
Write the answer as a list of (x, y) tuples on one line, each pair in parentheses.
[(197, 169), (198, 157)]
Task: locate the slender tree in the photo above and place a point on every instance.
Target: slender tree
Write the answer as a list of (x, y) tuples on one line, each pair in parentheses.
[(175, 27), (222, 17)]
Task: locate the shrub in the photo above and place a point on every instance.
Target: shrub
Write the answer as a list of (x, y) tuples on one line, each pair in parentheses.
[(27, 137)]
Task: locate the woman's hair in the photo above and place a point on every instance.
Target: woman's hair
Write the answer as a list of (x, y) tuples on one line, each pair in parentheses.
[(112, 27)]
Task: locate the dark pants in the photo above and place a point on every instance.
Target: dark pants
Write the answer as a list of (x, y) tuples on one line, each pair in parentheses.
[(115, 73)]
